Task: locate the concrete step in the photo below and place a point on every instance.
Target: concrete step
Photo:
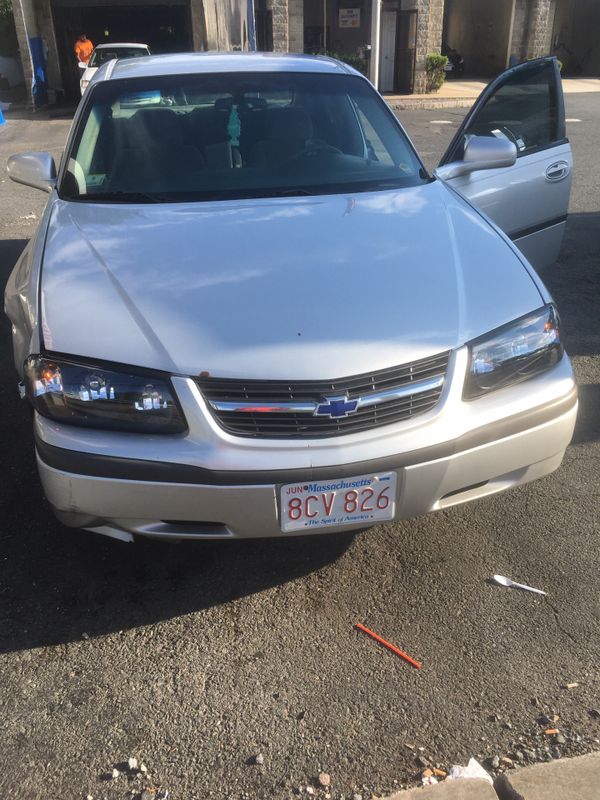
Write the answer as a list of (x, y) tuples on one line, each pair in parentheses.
[(462, 789), (564, 779)]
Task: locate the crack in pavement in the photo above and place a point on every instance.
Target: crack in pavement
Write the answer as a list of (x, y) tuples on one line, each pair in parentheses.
[(559, 625)]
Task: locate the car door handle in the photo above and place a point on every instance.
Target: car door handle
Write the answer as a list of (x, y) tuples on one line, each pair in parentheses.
[(557, 171)]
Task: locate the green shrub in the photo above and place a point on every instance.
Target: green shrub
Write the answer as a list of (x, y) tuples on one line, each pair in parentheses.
[(434, 71), (354, 60)]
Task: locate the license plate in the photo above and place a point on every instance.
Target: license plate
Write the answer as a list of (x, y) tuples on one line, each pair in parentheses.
[(344, 501)]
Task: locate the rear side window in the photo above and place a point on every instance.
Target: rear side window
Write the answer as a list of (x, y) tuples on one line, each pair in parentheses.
[(101, 56), (524, 109)]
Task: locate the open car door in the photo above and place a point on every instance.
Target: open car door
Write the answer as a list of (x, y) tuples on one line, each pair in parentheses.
[(528, 200)]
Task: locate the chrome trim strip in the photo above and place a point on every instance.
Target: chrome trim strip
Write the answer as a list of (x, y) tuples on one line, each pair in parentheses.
[(264, 408), (419, 387)]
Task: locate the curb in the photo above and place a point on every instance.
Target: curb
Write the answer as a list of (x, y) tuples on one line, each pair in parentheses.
[(461, 789), (412, 103), (565, 779)]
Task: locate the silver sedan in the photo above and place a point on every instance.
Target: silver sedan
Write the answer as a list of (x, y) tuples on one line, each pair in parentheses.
[(249, 310)]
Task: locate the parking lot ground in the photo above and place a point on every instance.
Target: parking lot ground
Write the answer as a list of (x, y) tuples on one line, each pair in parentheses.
[(195, 658)]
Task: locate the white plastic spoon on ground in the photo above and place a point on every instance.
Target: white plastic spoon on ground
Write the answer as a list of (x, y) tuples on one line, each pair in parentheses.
[(514, 585)]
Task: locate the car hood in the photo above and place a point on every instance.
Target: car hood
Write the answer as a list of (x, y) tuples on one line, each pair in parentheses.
[(310, 287)]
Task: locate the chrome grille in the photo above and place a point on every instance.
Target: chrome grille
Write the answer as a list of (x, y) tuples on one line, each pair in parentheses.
[(282, 409)]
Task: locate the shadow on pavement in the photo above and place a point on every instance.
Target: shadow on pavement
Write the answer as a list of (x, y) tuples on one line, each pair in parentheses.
[(42, 115), (56, 583), (59, 584), (575, 284), (587, 428)]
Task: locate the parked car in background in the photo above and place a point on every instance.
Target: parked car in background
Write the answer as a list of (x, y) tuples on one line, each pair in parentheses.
[(455, 63), (108, 52), (249, 310)]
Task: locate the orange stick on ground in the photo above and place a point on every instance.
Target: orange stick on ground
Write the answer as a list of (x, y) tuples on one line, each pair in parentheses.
[(389, 646)]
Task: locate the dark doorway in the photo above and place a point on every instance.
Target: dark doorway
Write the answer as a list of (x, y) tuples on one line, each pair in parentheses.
[(406, 51), (165, 28), (483, 40), (264, 26), (316, 39), (398, 47), (575, 37)]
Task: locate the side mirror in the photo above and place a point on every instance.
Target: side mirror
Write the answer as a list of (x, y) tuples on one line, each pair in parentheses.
[(82, 65), (481, 152), (33, 169)]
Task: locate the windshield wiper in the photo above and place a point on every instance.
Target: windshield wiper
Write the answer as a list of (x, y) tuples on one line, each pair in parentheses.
[(392, 183), (121, 197), (282, 192)]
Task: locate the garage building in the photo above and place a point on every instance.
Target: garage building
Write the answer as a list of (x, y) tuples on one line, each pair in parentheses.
[(48, 29), (386, 39)]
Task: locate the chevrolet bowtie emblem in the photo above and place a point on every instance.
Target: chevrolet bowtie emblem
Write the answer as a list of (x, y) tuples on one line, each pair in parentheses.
[(336, 407)]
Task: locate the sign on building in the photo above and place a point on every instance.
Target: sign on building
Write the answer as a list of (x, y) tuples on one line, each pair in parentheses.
[(349, 18)]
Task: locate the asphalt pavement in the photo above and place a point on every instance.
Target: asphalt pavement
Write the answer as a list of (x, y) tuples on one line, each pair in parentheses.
[(195, 658)]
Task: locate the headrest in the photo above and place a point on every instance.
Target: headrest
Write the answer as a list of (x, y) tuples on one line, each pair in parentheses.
[(159, 125), (288, 123), (223, 103)]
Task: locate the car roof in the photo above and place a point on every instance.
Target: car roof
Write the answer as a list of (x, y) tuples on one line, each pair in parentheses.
[(112, 45), (191, 63)]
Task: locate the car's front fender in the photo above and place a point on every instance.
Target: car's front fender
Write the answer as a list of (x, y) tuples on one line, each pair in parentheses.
[(22, 292)]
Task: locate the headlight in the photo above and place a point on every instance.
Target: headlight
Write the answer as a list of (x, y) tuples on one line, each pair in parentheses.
[(514, 353), (90, 395)]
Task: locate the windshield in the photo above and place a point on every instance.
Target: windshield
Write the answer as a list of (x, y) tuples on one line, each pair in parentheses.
[(104, 54), (234, 135)]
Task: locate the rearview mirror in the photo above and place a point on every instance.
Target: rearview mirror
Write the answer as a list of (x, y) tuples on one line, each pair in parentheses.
[(33, 169), (481, 152)]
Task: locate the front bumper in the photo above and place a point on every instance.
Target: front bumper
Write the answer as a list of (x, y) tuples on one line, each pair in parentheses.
[(121, 485)]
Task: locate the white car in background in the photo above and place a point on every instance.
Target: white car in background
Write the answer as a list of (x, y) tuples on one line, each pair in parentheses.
[(108, 52)]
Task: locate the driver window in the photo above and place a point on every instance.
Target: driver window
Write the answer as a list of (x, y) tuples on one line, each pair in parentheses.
[(524, 110)]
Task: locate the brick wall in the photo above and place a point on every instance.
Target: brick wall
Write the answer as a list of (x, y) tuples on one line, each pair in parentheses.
[(541, 28), (296, 25), (430, 22), (281, 40), (532, 28)]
